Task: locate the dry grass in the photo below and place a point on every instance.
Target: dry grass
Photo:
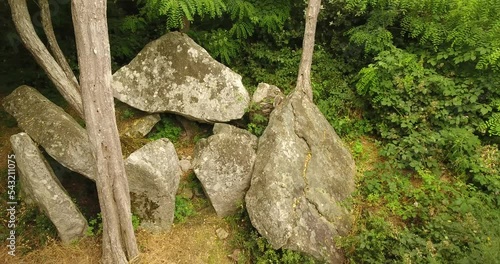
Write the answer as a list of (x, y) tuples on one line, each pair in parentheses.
[(193, 242)]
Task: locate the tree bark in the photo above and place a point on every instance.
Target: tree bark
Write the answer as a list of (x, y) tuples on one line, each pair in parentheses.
[(304, 77), (91, 32), (52, 41), (25, 29)]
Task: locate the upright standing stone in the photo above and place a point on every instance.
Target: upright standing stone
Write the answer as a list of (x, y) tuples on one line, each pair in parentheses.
[(301, 175), (223, 163), (153, 174)]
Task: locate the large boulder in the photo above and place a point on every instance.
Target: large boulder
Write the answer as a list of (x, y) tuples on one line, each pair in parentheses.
[(174, 74), (153, 174), (52, 128), (223, 163), (39, 182), (301, 175)]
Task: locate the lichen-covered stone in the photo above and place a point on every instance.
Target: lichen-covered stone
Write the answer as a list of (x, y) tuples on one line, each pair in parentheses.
[(140, 127), (52, 128), (264, 100), (174, 74), (153, 174), (302, 173), (223, 164), (39, 182)]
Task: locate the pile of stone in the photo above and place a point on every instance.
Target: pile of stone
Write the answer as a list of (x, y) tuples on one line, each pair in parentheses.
[(292, 179)]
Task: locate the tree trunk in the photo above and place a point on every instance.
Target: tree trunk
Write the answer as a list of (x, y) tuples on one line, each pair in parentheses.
[(52, 41), (25, 29), (304, 77), (91, 32)]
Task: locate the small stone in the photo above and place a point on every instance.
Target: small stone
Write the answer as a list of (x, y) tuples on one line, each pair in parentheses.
[(236, 255), (140, 127), (187, 193), (185, 165), (221, 233)]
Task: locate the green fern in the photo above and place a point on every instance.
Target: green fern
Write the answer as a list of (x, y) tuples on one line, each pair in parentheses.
[(176, 11), (493, 124)]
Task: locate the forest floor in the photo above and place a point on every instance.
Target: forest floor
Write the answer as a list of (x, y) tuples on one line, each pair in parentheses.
[(193, 241)]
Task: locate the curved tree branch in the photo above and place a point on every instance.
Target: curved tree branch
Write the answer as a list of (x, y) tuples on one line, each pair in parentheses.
[(25, 29), (53, 45)]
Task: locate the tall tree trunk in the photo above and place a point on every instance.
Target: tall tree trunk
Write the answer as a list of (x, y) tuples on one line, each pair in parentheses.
[(52, 41), (25, 29), (304, 77), (91, 32)]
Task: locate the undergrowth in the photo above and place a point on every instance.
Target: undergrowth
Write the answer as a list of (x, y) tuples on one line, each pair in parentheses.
[(255, 248), (166, 128), (405, 217)]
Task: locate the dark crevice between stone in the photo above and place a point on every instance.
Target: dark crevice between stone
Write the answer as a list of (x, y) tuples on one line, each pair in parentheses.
[(82, 190)]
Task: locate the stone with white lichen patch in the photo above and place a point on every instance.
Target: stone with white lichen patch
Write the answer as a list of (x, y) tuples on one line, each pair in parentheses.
[(223, 163), (174, 74), (302, 174)]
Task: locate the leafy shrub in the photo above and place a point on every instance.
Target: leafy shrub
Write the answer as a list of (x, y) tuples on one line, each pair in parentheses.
[(166, 128), (422, 219), (128, 114), (136, 221), (34, 228), (183, 209), (95, 226), (255, 248)]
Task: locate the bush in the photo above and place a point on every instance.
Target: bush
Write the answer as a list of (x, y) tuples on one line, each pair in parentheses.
[(419, 218), (183, 209), (166, 128), (256, 249)]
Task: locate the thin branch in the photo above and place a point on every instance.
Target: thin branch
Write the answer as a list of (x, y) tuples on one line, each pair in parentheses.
[(25, 29), (53, 45), (304, 77)]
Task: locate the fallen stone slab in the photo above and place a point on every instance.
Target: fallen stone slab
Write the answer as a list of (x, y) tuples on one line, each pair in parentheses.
[(174, 74), (302, 174), (153, 173), (223, 163), (52, 128), (39, 182)]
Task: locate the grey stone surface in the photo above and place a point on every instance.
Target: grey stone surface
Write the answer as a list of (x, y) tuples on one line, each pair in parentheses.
[(264, 100), (153, 172), (223, 164), (174, 74), (266, 93), (52, 128), (185, 165), (39, 182), (141, 126), (221, 233), (301, 174)]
